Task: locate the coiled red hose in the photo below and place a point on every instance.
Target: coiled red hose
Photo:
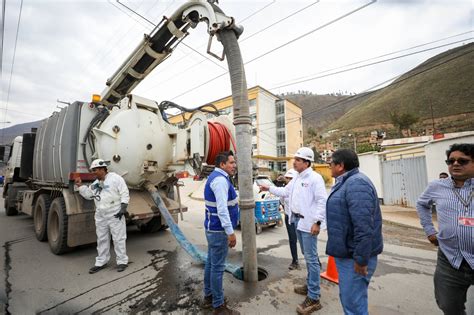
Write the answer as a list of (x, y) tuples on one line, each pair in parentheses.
[(219, 141)]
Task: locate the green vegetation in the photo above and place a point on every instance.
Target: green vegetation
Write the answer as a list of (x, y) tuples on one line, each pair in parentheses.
[(441, 86)]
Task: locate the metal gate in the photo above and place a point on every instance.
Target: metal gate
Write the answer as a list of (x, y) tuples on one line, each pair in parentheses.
[(404, 180)]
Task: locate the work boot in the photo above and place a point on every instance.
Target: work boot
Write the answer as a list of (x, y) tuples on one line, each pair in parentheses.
[(294, 265), (224, 310), (308, 306), (96, 269), (301, 289), (121, 267), (206, 302)]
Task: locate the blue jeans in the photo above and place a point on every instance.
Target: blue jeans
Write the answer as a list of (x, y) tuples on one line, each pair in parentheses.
[(451, 285), (309, 247), (217, 247), (291, 229), (353, 287)]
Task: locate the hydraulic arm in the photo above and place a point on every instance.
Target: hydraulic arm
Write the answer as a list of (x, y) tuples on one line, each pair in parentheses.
[(160, 43)]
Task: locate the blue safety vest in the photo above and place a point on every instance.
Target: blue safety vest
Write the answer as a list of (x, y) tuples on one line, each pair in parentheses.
[(212, 222)]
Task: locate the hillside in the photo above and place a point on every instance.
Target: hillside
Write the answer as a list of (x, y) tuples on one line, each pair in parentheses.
[(443, 83), (8, 134), (319, 111)]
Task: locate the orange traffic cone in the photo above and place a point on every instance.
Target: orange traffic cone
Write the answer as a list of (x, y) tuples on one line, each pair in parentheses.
[(331, 271)]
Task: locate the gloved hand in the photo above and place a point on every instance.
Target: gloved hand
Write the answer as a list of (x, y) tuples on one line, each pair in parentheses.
[(122, 212)]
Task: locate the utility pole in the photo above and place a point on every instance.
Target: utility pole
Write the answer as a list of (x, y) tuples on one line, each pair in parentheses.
[(243, 126)]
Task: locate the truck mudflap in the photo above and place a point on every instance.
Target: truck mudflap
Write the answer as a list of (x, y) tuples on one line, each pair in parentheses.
[(81, 229), (193, 251)]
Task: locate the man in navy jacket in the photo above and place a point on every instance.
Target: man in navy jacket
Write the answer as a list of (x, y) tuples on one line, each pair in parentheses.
[(354, 225)]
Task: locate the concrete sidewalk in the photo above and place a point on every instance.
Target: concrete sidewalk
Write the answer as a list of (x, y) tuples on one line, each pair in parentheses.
[(403, 216), (396, 215)]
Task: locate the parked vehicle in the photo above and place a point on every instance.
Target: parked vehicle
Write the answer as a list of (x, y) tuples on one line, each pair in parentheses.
[(267, 205)]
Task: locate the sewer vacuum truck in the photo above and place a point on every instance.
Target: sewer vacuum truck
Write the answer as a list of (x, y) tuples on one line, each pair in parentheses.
[(129, 131)]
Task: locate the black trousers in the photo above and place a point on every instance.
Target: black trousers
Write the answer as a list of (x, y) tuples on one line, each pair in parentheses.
[(451, 285), (291, 229)]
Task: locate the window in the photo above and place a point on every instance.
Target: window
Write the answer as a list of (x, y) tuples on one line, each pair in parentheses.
[(253, 117), (280, 122), (254, 146), (281, 166), (281, 136), (252, 102), (225, 111), (271, 165), (254, 131), (281, 150), (280, 107)]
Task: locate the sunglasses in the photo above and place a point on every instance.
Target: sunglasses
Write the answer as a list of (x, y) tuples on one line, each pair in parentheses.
[(460, 161)]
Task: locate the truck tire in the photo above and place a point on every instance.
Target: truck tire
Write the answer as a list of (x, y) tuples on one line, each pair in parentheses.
[(154, 225), (40, 217), (10, 208), (57, 227)]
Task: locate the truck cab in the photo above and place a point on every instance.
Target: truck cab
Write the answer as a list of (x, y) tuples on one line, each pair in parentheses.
[(12, 182)]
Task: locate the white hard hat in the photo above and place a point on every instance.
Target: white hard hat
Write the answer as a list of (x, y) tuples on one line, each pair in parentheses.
[(291, 173), (98, 163), (305, 153)]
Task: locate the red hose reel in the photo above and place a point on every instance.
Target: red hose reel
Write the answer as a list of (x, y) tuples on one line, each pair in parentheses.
[(219, 140)]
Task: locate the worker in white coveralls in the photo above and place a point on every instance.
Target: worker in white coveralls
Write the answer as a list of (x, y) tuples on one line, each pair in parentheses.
[(110, 194)]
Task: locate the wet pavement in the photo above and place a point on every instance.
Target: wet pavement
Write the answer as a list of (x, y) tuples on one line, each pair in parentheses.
[(162, 278)]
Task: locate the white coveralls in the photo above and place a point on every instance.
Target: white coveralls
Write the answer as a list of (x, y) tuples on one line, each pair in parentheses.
[(112, 192)]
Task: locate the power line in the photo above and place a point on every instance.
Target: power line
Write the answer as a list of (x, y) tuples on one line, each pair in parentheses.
[(13, 62), (200, 62), (154, 25), (258, 11), (280, 20), (370, 90), (379, 56), (281, 46), (312, 31), (18, 111), (359, 95), (3, 36), (370, 64)]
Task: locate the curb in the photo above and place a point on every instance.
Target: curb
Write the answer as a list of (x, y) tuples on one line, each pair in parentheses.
[(385, 221), (196, 198)]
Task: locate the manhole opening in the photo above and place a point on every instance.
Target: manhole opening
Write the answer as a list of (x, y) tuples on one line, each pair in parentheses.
[(262, 274)]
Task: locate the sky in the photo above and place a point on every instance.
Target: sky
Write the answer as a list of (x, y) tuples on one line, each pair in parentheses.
[(66, 49)]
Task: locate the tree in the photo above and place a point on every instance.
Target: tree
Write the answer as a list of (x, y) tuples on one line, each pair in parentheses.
[(311, 132), (317, 156), (403, 121), (365, 147)]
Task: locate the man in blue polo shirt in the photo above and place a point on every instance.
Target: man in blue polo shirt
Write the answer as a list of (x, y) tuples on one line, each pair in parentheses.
[(222, 213)]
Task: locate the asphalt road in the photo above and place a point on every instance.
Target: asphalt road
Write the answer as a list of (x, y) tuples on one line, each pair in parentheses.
[(162, 278)]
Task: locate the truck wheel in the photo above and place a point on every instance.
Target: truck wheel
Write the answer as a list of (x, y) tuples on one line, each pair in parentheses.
[(10, 208), (57, 227), (154, 225), (40, 217)]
